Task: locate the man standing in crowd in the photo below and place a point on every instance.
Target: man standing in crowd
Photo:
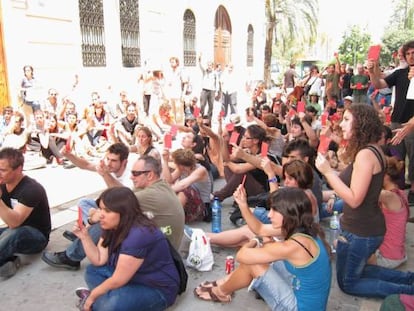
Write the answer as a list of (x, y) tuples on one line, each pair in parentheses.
[(289, 79), (404, 104)]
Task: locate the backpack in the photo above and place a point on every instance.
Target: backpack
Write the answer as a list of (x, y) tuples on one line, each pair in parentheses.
[(179, 264)]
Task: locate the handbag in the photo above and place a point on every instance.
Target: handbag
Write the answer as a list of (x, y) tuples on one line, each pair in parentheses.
[(179, 264), (200, 255)]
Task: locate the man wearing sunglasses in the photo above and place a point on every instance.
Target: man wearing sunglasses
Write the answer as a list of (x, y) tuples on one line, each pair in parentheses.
[(156, 199)]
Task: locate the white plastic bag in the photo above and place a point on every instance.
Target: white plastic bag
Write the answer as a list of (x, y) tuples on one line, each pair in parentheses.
[(200, 256)]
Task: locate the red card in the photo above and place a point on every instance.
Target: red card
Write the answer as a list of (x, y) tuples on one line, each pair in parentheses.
[(234, 137), (335, 54), (168, 141), (80, 220), (69, 144), (292, 112), (230, 127), (196, 111), (359, 86), (301, 106), (222, 113), (264, 150), (323, 144), (374, 52), (324, 118), (244, 179), (173, 130)]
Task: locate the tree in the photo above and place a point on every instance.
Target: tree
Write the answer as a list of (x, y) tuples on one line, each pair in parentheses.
[(290, 22), (354, 46), (400, 30)]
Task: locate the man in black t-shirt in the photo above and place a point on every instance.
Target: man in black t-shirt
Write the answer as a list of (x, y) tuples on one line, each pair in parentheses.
[(24, 207)]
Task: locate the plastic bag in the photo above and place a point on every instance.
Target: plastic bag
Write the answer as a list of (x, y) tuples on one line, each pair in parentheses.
[(200, 255)]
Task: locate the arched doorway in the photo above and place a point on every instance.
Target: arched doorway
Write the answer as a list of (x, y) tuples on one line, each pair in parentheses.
[(4, 90), (222, 37)]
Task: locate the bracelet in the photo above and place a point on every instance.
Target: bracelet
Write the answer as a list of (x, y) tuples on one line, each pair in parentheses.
[(273, 179), (259, 241)]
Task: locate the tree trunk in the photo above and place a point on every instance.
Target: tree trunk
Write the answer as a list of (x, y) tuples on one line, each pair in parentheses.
[(268, 53)]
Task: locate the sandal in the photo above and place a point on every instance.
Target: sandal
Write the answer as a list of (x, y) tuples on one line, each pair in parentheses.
[(207, 284), (211, 296)]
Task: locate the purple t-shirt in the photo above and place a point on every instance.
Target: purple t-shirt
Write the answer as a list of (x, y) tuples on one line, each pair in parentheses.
[(158, 269)]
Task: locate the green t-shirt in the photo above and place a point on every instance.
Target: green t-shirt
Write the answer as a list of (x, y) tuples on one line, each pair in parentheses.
[(361, 82)]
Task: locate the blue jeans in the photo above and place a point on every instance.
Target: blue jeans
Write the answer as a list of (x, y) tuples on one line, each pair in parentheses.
[(128, 297), (22, 240), (75, 250), (261, 214), (275, 287), (357, 278), (85, 205), (338, 206)]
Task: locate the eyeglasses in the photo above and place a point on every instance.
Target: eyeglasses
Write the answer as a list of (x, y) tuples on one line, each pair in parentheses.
[(53, 94), (138, 173)]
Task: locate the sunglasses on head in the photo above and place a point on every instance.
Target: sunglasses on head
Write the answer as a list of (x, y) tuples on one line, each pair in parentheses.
[(138, 173)]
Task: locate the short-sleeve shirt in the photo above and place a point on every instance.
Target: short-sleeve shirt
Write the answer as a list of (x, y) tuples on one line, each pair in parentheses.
[(31, 194), (158, 269)]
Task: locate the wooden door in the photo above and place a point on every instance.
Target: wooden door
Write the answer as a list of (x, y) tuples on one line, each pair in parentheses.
[(222, 37), (4, 90)]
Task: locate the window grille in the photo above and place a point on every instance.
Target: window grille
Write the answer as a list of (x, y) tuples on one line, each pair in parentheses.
[(92, 31), (189, 35), (250, 36), (129, 18)]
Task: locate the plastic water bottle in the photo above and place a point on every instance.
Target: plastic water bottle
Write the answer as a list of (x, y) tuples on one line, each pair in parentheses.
[(216, 216), (334, 230)]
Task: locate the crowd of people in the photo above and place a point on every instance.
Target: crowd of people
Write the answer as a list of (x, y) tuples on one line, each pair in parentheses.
[(331, 141)]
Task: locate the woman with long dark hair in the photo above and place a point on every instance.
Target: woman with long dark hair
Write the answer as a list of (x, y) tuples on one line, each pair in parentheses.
[(293, 274), (131, 267)]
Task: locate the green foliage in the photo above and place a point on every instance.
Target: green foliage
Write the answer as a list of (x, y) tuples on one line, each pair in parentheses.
[(391, 41), (291, 26), (354, 46)]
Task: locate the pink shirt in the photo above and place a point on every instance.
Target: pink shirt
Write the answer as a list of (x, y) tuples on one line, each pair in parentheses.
[(393, 246)]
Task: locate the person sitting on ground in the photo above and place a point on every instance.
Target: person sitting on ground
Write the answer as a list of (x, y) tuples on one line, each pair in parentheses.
[(143, 143), (24, 207), (131, 267), (114, 171), (191, 182), (235, 169), (125, 127), (17, 136), (394, 205), (165, 210), (297, 173), (293, 274)]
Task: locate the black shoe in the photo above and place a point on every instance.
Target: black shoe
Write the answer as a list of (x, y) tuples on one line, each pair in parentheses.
[(207, 213), (10, 267), (69, 165), (411, 197), (69, 235), (60, 260)]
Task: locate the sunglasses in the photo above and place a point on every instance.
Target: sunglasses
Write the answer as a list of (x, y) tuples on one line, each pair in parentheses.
[(138, 173), (53, 94)]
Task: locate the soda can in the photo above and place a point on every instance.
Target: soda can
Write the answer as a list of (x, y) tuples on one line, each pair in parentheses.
[(229, 264)]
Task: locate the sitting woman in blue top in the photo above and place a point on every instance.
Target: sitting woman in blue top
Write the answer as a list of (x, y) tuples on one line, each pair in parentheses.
[(299, 274), (131, 267)]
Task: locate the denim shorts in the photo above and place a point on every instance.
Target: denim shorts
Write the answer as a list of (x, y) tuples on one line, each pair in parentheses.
[(261, 214), (389, 263), (275, 287)]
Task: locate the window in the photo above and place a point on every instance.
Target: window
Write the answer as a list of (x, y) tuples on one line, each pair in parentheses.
[(250, 35), (92, 32), (189, 35), (129, 18)]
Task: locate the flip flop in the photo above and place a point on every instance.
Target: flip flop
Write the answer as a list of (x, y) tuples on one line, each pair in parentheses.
[(212, 297), (206, 284)]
